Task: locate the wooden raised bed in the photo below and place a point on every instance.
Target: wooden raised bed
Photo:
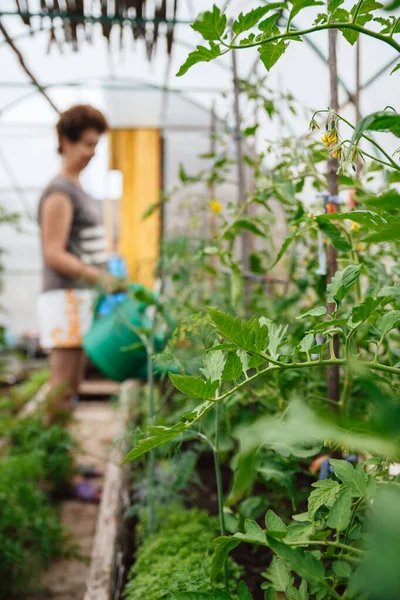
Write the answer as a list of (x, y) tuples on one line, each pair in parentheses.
[(106, 572)]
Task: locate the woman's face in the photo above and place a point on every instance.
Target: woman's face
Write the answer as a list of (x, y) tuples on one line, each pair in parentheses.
[(79, 154)]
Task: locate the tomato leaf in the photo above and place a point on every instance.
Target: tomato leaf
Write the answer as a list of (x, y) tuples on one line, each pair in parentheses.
[(244, 22), (303, 563), (324, 495), (233, 368), (334, 234), (201, 54), (279, 575), (194, 387), (271, 52), (340, 513), (388, 322), (211, 25), (223, 545), (386, 121), (298, 5), (342, 282)]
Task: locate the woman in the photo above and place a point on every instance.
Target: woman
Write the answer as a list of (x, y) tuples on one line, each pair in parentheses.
[(74, 254)]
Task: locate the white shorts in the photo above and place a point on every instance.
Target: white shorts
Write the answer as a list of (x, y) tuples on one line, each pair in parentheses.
[(65, 316)]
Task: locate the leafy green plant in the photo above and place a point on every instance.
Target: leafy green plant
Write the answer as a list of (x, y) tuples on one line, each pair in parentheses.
[(19, 394), (262, 381), (273, 38), (332, 547), (175, 559), (30, 531), (37, 461), (54, 444), (257, 348)]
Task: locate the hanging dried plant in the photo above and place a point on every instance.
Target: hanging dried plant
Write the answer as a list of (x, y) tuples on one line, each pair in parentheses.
[(113, 13)]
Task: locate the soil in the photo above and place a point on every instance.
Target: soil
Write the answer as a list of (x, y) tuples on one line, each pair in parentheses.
[(253, 560), (93, 429)]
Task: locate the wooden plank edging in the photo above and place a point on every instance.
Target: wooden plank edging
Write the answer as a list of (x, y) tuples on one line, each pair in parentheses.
[(101, 579)]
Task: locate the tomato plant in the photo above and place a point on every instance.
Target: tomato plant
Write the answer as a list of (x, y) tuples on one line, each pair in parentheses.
[(262, 377)]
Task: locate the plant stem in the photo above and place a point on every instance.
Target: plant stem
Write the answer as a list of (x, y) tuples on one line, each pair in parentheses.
[(331, 544), (218, 473), (150, 404), (358, 8), (333, 593), (314, 363), (208, 404), (152, 457), (219, 485), (324, 27)]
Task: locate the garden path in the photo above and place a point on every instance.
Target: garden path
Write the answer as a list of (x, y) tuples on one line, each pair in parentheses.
[(93, 429)]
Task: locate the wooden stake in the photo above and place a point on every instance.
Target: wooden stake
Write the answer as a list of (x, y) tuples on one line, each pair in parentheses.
[(333, 380), (358, 94), (212, 189), (240, 169)]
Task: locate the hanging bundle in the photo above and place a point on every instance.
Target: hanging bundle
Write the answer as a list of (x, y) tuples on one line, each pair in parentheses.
[(145, 19)]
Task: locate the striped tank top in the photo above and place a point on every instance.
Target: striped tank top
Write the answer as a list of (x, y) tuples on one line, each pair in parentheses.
[(86, 239)]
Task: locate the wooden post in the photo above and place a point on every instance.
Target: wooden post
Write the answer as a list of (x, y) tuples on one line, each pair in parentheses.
[(114, 502), (333, 379), (211, 186), (240, 170), (212, 189), (358, 95)]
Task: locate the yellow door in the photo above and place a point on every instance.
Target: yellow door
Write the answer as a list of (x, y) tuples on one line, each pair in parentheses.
[(137, 154)]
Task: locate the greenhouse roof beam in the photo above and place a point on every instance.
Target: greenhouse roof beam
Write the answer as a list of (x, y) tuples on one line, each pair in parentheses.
[(21, 60), (46, 127), (379, 73), (114, 84)]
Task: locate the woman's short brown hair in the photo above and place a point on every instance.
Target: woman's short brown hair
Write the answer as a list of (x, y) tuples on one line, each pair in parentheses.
[(74, 121)]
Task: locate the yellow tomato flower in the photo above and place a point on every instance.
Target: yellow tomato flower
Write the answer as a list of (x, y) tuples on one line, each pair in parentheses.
[(325, 138), (333, 138), (355, 226), (216, 206)]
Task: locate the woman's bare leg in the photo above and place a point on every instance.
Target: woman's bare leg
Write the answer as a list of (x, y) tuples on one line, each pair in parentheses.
[(66, 368)]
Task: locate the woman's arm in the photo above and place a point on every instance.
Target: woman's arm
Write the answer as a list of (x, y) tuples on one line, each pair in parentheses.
[(56, 220)]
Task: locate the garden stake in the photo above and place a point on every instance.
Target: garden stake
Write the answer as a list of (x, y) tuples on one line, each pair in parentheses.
[(211, 189), (333, 383), (240, 171)]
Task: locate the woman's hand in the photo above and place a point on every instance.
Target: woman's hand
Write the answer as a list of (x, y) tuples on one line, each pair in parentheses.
[(104, 279), (111, 284)]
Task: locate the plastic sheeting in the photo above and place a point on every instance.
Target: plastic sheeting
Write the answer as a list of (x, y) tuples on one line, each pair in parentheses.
[(134, 92)]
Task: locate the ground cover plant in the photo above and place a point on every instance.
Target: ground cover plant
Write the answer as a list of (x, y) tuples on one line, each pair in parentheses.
[(261, 398), (176, 558), (36, 462)]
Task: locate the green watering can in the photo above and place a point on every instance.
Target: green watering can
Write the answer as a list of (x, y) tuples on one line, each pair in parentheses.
[(112, 344)]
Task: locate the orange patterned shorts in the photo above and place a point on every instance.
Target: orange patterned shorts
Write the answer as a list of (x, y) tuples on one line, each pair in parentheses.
[(64, 317)]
